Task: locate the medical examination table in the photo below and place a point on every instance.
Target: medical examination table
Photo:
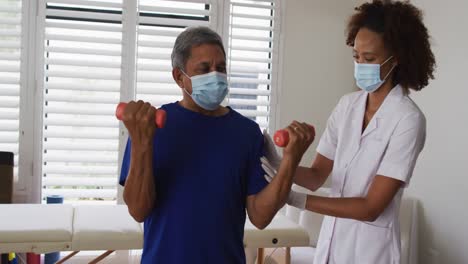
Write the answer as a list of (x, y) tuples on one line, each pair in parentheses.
[(45, 228)]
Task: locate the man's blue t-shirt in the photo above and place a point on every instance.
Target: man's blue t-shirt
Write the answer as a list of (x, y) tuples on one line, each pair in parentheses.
[(204, 169)]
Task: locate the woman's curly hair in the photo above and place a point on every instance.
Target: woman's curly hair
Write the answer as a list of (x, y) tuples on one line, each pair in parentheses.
[(404, 34)]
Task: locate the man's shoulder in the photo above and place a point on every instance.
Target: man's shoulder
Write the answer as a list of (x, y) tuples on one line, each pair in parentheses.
[(245, 122), (169, 106)]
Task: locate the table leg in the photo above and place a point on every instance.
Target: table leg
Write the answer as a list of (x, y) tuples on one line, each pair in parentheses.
[(69, 256), (261, 256), (288, 256), (101, 257)]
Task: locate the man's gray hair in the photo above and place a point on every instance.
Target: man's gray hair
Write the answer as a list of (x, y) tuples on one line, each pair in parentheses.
[(189, 38)]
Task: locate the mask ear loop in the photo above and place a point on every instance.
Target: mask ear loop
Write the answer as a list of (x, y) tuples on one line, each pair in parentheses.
[(383, 63), (185, 90), (385, 79), (185, 73), (389, 58)]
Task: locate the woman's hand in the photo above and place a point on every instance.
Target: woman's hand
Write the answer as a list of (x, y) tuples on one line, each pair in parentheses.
[(138, 118), (301, 135), (295, 199)]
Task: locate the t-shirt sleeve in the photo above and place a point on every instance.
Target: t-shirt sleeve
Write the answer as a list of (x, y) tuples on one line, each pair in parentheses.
[(403, 149), (125, 163), (329, 140), (255, 174)]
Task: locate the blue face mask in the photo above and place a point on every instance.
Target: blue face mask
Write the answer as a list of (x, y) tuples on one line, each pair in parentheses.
[(368, 75), (208, 90)]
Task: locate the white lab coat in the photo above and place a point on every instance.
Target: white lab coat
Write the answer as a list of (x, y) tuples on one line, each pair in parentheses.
[(389, 146)]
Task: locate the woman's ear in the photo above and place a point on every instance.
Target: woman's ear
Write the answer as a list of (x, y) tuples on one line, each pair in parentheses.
[(178, 77)]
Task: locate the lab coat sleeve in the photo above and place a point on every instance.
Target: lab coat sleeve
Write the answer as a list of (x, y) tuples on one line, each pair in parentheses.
[(329, 140), (403, 148)]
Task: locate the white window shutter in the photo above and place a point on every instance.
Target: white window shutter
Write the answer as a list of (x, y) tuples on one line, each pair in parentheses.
[(252, 56), (81, 88), (160, 22), (86, 58), (251, 50), (10, 68)]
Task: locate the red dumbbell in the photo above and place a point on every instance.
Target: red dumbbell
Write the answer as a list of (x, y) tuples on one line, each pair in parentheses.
[(281, 137), (160, 117)]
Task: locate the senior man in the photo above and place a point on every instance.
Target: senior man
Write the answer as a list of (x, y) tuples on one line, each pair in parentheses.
[(192, 181)]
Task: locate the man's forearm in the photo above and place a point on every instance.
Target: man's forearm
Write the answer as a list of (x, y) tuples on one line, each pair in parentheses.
[(274, 196), (139, 192)]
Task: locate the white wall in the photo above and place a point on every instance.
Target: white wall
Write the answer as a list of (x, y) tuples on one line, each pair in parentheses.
[(441, 179), (317, 70), (317, 64)]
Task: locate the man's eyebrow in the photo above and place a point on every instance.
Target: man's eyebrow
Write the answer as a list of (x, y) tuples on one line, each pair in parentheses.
[(203, 63)]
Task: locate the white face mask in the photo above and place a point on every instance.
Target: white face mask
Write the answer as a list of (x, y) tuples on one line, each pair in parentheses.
[(208, 90), (368, 75)]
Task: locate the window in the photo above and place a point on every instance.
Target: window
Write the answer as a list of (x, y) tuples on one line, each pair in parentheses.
[(160, 22), (82, 61), (252, 38), (91, 54), (10, 68)]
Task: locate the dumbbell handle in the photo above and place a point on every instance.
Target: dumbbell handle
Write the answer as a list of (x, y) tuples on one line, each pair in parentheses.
[(159, 119), (281, 137)]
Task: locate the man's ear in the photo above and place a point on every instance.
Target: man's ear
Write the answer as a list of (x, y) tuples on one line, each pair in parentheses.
[(177, 76)]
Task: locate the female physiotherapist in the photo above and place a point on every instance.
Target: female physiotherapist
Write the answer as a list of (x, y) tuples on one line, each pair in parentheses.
[(372, 139)]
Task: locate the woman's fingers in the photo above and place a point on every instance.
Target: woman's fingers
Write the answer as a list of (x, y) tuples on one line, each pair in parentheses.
[(267, 163), (268, 172)]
